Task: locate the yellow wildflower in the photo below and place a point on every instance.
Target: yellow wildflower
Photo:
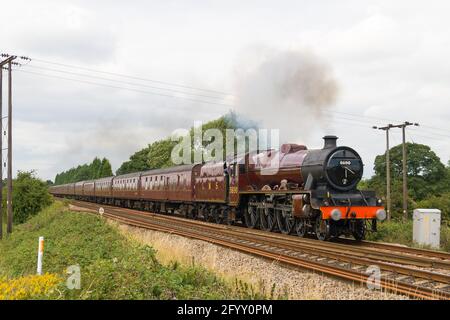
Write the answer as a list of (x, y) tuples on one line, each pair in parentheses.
[(28, 287)]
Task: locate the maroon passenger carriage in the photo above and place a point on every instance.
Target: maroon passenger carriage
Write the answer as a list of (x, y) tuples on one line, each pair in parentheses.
[(311, 191)]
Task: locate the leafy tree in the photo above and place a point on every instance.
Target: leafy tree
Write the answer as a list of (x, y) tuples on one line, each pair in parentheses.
[(159, 154), (427, 177), (426, 173), (138, 162), (30, 195), (95, 168), (105, 169)]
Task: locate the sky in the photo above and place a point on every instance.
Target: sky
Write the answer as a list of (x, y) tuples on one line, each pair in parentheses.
[(389, 59)]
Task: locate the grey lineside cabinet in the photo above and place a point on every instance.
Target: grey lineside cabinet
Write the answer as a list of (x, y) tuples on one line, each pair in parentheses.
[(427, 227)]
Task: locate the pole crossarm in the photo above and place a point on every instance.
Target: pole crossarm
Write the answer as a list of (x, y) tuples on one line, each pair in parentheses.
[(7, 60)]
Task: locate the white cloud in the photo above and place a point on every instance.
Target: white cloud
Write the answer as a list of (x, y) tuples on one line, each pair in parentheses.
[(390, 59)]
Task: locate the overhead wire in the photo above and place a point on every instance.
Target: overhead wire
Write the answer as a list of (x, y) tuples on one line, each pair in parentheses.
[(128, 83), (125, 88), (360, 118), (130, 76)]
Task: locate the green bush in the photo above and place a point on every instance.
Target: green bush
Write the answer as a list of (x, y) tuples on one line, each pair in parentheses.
[(438, 202), (402, 232), (30, 195), (393, 231)]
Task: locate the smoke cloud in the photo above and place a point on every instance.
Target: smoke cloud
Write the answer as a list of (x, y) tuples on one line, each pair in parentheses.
[(286, 90)]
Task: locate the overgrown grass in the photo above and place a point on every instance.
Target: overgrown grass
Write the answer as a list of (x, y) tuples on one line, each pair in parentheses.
[(402, 232), (112, 266)]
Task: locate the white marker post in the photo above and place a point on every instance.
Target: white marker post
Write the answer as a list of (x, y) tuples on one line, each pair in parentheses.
[(101, 211), (40, 254)]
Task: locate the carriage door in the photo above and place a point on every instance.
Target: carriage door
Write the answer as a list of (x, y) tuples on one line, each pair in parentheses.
[(233, 194)]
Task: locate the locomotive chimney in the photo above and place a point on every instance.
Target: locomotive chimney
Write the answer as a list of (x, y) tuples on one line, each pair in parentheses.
[(329, 142)]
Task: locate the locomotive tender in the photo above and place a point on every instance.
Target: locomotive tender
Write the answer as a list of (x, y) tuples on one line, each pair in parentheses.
[(313, 191)]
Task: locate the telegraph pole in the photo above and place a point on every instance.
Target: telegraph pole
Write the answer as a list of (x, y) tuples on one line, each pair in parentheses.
[(405, 184), (388, 170), (1, 152), (9, 219), (9, 196), (404, 168)]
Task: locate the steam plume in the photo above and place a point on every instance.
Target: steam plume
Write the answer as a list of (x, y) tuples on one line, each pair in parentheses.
[(287, 90)]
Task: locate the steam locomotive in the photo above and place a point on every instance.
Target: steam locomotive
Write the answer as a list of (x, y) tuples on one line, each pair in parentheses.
[(310, 192)]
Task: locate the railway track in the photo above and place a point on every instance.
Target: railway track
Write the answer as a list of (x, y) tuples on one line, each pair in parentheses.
[(402, 270), (397, 248)]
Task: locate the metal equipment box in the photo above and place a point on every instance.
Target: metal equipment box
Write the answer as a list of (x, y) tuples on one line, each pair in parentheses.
[(427, 227)]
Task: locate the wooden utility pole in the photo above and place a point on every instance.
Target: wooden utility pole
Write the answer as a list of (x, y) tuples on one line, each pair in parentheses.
[(9, 219), (1, 152), (404, 167), (388, 171), (9, 196), (388, 177), (405, 173)]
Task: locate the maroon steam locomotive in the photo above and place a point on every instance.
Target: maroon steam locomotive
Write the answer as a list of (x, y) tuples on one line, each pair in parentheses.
[(312, 191)]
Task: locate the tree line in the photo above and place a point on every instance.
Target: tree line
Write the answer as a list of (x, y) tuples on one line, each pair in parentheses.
[(94, 170)]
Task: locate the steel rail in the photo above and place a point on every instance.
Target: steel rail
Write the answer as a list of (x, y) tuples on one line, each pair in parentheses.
[(341, 255), (397, 248), (357, 251), (392, 286), (224, 237)]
